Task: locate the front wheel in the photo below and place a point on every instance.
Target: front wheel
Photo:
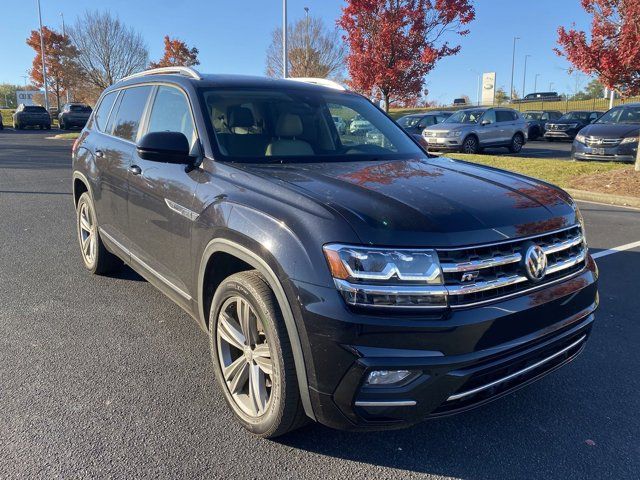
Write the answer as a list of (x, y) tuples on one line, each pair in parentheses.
[(252, 356), (97, 259), (470, 145), (516, 143)]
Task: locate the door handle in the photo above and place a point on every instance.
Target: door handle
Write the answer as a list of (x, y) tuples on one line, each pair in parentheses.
[(99, 153), (135, 169)]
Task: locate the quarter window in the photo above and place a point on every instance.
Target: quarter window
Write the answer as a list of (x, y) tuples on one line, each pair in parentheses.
[(127, 120), (171, 113)]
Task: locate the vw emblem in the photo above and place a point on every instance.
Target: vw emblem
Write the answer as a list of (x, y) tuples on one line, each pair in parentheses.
[(535, 263)]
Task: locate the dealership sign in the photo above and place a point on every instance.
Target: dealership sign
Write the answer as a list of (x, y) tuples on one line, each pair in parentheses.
[(27, 96), (488, 88)]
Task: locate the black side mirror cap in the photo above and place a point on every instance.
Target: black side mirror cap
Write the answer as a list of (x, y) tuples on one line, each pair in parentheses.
[(166, 147)]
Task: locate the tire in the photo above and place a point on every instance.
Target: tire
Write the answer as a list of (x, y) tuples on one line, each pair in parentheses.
[(470, 145), (63, 126), (96, 258), (516, 143), (277, 408)]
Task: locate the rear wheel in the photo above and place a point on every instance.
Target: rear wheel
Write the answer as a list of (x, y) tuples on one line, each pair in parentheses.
[(97, 259), (252, 356), (470, 145), (516, 143)]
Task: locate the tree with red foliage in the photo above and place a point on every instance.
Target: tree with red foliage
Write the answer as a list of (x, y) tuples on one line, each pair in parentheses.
[(176, 54), (613, 51), (393, 44), (613, 54), (60, 61)]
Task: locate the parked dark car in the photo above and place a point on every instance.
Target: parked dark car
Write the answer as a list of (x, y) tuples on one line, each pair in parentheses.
[(568, 125), (31, 116), (1, 124), (538, 97), (459, 102), (613, 137), (537, 121), (74, 115), (360, 286), (415, 123)]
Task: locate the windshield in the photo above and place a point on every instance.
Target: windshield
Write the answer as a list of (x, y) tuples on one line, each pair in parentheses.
[(621, 115), (268, 125), (408, 122), (465, 116), (581, 116), (532, 115)]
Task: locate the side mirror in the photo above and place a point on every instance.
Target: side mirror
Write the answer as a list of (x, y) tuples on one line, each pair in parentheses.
[(166, 147), (485, 122)]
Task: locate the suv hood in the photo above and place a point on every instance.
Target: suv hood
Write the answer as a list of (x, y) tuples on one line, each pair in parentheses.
[(436, 202), (614, 130)]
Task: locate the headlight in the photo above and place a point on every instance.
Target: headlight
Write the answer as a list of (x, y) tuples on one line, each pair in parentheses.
[(368, 276), (629, 140), (580, 138), (454, 133)]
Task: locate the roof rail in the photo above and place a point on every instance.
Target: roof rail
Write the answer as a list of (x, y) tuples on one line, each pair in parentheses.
[(325, 82), (186, 71)]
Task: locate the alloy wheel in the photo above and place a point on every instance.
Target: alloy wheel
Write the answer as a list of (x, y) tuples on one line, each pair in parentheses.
[(245, 356), (470, 145), (87, 234)]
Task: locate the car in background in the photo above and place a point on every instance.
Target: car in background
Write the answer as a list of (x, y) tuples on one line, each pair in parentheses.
[(359, 126), (74, 115), (1, 124), (612, 137), (538, 97), (31, 116), (415, 123), (459, 102), (568, 126), (472, 129), (537, 121), (340, 124)]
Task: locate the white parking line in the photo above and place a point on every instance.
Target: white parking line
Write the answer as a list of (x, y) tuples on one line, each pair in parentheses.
[(621, 248)]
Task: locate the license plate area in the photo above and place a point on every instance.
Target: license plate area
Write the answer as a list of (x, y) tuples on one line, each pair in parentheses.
[(598, 151)]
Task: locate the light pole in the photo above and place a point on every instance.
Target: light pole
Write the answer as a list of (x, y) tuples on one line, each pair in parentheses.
[(306, 46), (550, 85), (513, 63), (478, 90), (285, 66), (44, 69), (64, 34), (524, 76), (535, 82)]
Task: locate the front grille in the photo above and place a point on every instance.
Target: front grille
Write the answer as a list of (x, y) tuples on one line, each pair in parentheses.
[(485, 273), (557, 127), (602, 142)]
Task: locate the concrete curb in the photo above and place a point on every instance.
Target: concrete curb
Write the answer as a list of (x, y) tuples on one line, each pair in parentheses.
[(604, 198)]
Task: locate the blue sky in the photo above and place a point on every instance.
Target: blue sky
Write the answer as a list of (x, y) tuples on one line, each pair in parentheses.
[(233, 35)]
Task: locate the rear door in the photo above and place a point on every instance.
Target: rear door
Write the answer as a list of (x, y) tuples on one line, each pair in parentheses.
[(488, 133), (506, 126), (161, 196)]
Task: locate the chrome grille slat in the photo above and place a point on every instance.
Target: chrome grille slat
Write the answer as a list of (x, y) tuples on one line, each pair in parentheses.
[(602, 142)]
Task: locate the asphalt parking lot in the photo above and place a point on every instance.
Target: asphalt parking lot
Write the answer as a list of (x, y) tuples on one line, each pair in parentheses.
[(539, 148), (106, 377)]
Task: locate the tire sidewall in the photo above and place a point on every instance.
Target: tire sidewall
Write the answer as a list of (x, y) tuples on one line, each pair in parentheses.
[(85, 198), (235, 288), (518, 149)]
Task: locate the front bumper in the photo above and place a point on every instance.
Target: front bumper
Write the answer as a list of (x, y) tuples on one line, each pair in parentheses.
[(461, 359), (443, 144), (619, 153), (561, 134)]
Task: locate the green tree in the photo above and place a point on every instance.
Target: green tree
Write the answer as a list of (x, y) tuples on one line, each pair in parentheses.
[(8, 94), (594, 89), (501, 96)]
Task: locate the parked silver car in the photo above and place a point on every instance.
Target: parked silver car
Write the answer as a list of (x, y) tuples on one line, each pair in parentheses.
[(472, 129)]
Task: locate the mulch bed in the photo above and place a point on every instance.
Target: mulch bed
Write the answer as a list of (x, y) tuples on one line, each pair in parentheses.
[(623, 181)]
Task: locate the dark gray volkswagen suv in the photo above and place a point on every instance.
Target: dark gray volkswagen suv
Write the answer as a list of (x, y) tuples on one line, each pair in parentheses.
[(361, 285)]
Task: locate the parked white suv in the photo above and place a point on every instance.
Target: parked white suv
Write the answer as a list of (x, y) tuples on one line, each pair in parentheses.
[(472, 129)]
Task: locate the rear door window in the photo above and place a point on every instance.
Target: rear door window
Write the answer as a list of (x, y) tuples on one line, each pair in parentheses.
[(504, 116), (130, 110), (102, 113)]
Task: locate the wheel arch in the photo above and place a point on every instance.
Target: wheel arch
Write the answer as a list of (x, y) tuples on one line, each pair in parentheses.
[(80, 185), (240, 253)]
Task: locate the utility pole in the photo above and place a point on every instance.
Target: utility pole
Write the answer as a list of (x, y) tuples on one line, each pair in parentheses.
[(524, 76), (64, 34), (44, 68), (535, 82), (513, 63), (285, 66), (306, 51)]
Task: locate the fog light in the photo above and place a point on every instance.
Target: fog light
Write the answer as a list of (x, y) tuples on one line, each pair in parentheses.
[(387, 377)]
